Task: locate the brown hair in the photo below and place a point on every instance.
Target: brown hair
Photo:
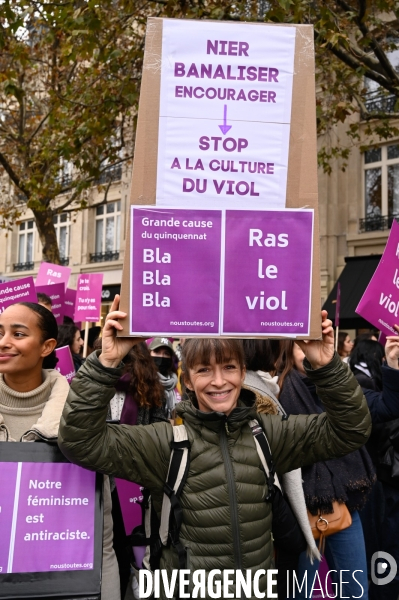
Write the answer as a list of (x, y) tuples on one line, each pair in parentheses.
[(285, 360), (200, 351), (144, 383), (342, 335)]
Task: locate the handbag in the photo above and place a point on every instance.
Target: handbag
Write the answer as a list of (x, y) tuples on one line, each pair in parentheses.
[(330, 523)]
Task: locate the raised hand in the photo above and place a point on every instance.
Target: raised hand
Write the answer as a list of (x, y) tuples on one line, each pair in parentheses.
[(320, 352), (115, 348), (392, 350)]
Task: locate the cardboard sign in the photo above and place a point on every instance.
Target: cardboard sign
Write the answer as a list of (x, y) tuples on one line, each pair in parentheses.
[(88, 297), (49, 274), (227, 121), (56, 292), (169, 247), (380, 302), (51, 524), (268, 272), (18, 290), (65, 364)]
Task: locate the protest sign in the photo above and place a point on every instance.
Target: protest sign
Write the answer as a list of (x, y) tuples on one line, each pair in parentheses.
[(88, 297), (227, 121), (69, 303), (18, 290), (379, 304), (56, 291), (168, 247), (49, 274), (225, 112), (268, 268), (51, 524), (65, 364)]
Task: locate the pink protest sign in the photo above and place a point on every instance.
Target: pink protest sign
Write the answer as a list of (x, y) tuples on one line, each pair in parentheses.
[(48, 518), (268, 272), (88, 297), (175, 280), (49, 273), (69, 303), (65, 364), (56, 292), (130, 496), (19, 290), (380, 302)]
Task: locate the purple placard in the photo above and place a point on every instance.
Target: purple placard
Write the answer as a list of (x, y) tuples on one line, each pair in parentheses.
[(268, 272), (88, 297), (7, 493), (130, 496), (19, 290), (65, 364), (53, 514), (175, 281), (56, 292), (49, 274), (379, 304), (69, 301)]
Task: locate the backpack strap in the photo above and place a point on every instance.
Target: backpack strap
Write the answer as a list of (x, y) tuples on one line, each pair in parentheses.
[(172, 514), (265, 455)]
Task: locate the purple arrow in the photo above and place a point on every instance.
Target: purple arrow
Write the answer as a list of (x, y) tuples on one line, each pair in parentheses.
[(225, 128)]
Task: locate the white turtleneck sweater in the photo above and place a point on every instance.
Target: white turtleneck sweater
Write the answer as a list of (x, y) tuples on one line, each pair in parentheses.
[(20, 411)]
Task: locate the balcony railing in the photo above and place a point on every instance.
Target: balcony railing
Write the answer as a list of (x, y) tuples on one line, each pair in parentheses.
[(113, 173), (23, 266), (104, 256), (378, 102), (377, 223)]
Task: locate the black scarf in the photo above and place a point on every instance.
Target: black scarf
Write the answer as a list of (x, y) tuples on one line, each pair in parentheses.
[(348, 479)]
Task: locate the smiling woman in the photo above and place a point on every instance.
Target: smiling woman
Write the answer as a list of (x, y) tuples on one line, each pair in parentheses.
[(32, 392), (225, 516)]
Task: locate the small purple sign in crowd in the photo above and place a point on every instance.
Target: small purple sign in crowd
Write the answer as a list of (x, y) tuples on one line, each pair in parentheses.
[(65, 364), (49, 274), (56, 292), (175, 283), (88, 297), (380, 302), (243, 272), (19, 290), (46, 517)]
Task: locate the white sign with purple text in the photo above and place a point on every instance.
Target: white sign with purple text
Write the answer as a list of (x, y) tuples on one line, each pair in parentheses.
[(225, 113)]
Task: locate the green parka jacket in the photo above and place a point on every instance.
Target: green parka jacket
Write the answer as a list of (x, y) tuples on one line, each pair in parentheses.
[(226, 521)]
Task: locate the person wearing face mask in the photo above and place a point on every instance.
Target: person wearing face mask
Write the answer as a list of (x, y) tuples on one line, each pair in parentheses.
[(164, 357)]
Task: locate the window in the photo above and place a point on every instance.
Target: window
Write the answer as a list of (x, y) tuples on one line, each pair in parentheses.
[(62, 229), (108, 224), (25, 242), (381, 181)]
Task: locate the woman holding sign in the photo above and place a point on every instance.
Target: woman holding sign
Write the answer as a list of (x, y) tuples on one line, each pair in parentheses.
[(33, 394), (226, 523)]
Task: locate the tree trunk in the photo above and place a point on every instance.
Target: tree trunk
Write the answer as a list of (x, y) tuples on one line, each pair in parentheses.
[(47, 235)]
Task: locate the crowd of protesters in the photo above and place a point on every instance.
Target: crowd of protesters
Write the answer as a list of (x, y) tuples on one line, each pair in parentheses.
[(316, 406)]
